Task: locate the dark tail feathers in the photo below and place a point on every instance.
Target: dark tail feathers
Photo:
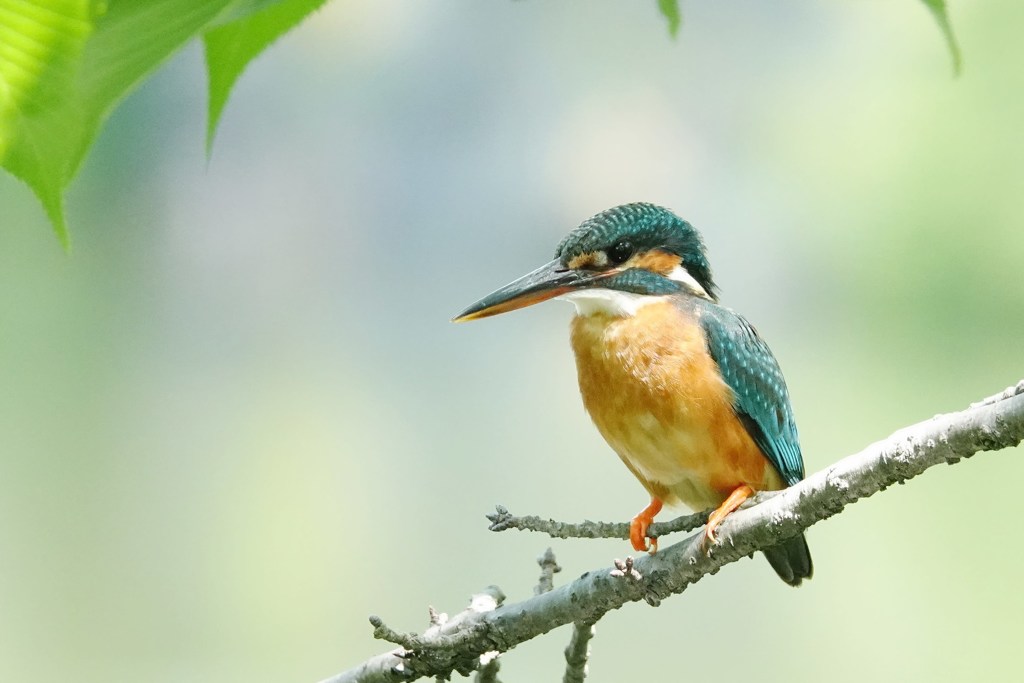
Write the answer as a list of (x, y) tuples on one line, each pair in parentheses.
[(791, 560)]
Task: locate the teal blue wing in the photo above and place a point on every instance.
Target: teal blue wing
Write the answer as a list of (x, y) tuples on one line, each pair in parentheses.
[(761, 398)]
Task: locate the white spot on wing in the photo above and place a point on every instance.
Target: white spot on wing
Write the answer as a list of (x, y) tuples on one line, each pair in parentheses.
[(682, 276)]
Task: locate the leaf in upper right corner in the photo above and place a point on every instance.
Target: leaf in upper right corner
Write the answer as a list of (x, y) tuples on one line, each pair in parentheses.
[(230, 46), (670, 10), (941, 14)]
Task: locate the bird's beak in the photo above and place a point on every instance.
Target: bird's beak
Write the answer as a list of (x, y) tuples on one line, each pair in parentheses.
[(545, 283)]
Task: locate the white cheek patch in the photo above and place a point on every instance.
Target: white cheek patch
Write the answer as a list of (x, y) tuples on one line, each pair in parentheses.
[(682, 276), (608, 301)]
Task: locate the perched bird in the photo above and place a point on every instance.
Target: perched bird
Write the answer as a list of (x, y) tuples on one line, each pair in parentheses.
[(682, 388)]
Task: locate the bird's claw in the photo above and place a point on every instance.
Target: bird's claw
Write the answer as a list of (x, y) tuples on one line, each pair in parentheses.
[(708, 539), (638, 537), (735, 499), (642, 543)]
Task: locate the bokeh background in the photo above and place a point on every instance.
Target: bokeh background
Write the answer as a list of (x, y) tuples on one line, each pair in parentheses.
[(235, 419)]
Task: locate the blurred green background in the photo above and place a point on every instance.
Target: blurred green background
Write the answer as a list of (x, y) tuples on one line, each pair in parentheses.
[(235, 420)]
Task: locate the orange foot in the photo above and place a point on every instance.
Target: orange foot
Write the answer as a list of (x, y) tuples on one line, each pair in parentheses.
[(734, 500), (638, 527)]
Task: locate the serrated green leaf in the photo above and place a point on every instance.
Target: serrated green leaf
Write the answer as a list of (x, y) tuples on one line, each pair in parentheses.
[(230, 47), (941, 14), (41, 43), (65, 64), (670, 10)]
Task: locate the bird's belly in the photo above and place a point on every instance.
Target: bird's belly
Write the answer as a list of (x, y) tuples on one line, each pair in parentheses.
[(656, 396), (676, 463)]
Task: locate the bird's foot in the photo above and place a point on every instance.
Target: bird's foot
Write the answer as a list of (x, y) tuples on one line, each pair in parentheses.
[(638, 528), (734, 500)]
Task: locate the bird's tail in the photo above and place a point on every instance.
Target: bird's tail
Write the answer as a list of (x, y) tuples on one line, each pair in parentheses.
[(791, 560)]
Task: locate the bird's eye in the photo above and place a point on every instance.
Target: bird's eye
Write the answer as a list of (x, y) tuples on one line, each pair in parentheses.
[(620, 252)]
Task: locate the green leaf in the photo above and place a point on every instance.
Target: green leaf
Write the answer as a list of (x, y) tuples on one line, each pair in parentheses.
[(670, 10), (64, 65), (230, 47), (41, 44), (939, 11)]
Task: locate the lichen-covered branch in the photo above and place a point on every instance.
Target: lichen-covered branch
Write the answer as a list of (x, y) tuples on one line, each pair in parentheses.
[(577, 652), (488, 671), (548, 568), (502, 520), (991, 424)]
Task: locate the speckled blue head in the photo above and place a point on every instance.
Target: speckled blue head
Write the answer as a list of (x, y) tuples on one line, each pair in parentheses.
[(637, 249), (636, 228)]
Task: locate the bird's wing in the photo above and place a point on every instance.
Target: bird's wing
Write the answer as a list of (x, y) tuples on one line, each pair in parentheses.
[(761, 398)]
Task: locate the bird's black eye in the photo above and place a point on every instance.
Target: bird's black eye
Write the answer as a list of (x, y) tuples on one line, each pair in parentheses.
[(620, 252)]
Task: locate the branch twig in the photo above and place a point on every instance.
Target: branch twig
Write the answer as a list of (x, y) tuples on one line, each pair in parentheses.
[(503, 520), (548, 568), (577, 652), (991, 424), (488, 672)]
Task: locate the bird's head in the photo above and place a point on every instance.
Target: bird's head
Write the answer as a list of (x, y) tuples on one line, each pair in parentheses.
[(612, 262)]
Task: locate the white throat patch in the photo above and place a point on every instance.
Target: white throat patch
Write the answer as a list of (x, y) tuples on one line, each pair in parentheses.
[(623, 304), (608, 301)]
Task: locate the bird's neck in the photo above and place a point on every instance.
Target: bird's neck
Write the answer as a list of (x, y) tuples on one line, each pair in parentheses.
[(610, 302)]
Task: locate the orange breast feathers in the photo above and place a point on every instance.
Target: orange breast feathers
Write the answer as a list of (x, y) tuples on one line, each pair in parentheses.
[(657, 398)]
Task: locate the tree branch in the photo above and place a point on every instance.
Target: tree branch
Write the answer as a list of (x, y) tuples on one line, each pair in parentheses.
[(991, 424), (548, 568), (488, 672), (577, 652), (503, 520)]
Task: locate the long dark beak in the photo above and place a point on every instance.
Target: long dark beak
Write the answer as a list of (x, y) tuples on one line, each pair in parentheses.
[(545, 283)]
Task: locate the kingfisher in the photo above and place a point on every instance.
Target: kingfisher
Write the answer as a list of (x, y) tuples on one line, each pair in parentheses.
[(683, 389)]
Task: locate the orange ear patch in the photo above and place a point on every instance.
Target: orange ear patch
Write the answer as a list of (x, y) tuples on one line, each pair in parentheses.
[(593, 260), (656, 261)]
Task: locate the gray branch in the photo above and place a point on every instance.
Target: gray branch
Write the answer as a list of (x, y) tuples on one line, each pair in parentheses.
[(990, 424), (577, 653), (503, 520), (548, 568), (488, 672)]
